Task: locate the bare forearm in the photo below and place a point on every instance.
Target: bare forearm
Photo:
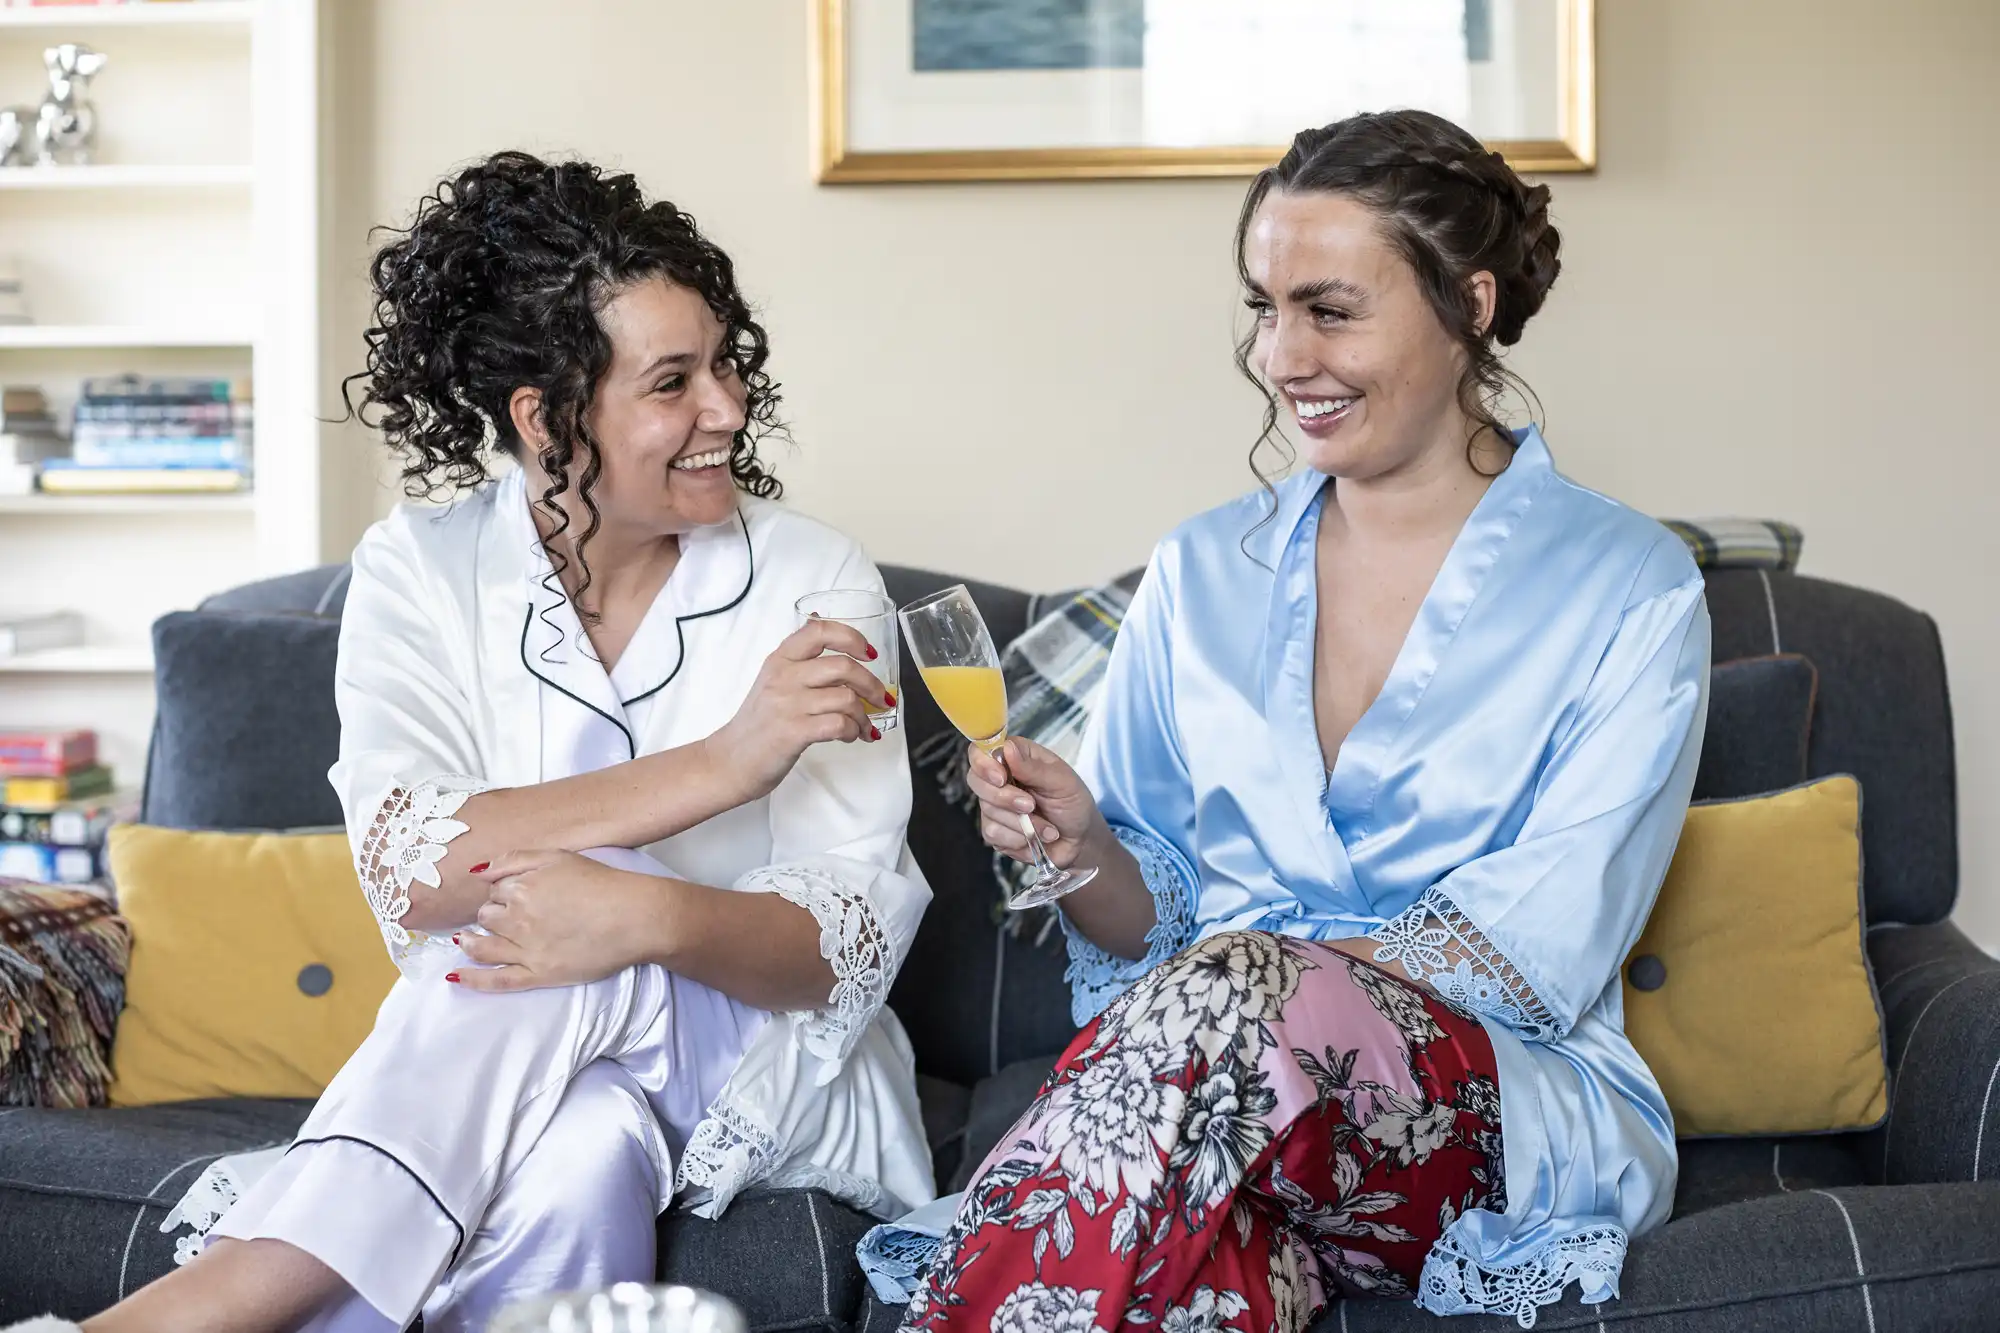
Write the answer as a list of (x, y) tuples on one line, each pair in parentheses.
[(633, 804), (1115, 910), (753, 947)]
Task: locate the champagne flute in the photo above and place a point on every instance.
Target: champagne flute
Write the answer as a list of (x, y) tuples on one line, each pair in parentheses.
[(953, 652)]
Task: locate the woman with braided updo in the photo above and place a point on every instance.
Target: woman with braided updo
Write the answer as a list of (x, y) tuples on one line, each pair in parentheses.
[(646, 909), (1390, 761)]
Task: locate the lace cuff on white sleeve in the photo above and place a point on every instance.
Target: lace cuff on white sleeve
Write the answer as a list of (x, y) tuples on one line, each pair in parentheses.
[(1096, 977), (853, 942), (1440, 946), (403, 845)]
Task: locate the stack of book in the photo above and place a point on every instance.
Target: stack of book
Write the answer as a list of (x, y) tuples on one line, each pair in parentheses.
[(133, 434), (28, 437), (58, 806)]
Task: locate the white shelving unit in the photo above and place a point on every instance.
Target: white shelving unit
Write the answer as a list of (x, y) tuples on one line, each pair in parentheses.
[(181, 14), (162, 177), (189, 246)]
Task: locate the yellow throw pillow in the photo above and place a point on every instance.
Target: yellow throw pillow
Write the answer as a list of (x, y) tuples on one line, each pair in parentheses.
[(1749, 995), (256, 967)]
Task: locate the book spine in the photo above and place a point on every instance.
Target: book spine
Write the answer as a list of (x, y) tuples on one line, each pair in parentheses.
[(156, 451), (70, 749)]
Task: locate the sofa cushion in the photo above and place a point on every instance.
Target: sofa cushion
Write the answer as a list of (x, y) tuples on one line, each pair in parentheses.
[(257, 967), (1808, 1261), (1759, 726), (785, 1257), (997, 1102), (245, 729), (83, 1193), (1749, 995), (1883, 715)]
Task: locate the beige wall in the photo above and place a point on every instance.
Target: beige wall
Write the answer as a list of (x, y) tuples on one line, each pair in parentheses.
[(1779, 295)]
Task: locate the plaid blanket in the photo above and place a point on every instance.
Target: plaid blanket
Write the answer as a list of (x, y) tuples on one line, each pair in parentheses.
[(1739, 543), (1055, 670), (63, 954)]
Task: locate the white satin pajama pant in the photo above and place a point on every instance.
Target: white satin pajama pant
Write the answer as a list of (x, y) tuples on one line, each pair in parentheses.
[(482, 1149)]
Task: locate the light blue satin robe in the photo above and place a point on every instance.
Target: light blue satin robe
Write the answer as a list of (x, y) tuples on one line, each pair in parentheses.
[(1499, 820)]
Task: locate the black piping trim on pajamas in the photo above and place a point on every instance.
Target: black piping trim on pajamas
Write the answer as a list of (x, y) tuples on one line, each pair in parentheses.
[(680, 638), (422, 1184)]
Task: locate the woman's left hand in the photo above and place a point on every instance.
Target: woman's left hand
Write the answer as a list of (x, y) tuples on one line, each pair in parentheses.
[(557, 919)]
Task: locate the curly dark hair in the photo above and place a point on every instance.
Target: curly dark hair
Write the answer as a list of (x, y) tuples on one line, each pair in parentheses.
[(1453, 208), (497, 284)]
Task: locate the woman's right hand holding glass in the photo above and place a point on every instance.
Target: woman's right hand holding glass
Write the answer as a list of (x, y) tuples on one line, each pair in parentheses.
[(1034, 782), (813, 688)]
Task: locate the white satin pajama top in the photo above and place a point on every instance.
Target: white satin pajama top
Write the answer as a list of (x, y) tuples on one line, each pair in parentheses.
[(1499, 820), (463, 667)]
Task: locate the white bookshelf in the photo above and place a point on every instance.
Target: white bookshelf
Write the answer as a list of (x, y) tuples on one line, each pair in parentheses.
[(177, 14), (129, 337), (125, 506), (160, 176), (189, 246), (85, 661)]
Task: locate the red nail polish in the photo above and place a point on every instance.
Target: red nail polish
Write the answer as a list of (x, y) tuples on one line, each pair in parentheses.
[(872, 654), (479, 869), (451, 976), (890, 695), (874, 733), (454, 939)]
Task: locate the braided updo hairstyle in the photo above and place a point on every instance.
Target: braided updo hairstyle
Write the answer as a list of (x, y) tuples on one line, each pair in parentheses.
[(1453, 209), (497, 284)]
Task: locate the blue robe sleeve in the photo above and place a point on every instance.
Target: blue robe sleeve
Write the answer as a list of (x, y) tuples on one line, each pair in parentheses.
[(1530, 935), (1133, 762)]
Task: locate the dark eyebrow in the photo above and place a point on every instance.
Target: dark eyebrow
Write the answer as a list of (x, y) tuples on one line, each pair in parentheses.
[(1313, 291), (672, 360)]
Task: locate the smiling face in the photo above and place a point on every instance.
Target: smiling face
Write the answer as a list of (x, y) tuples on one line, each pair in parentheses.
[(664, 415), (1347, 339)]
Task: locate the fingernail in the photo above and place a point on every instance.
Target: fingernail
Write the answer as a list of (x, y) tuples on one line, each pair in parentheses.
[(1049, 834), (454, 939), (890, 696), (451, 976), (874, 733), (872, 654), (479, 869), (1023, 804)]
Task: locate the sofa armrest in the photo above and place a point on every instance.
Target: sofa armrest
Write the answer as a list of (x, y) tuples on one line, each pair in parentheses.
[(1941, 1008)]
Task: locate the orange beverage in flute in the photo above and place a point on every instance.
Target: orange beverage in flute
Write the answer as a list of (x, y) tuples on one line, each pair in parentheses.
[(974, 698)]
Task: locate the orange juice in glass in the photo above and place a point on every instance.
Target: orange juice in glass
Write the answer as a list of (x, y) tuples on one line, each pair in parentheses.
[(954, 654)]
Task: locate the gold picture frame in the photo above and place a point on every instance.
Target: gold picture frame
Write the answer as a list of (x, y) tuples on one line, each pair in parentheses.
[(836, 163)]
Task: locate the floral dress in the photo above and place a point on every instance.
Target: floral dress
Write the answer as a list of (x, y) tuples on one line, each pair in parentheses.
[(1257, 1126)]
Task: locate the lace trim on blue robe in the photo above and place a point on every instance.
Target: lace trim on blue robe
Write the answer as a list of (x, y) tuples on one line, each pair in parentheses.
[(1440, 946), (1096, 977), (1453, 1282)]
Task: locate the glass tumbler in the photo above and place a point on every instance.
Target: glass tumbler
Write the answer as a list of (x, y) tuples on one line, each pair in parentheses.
[(875, 617)]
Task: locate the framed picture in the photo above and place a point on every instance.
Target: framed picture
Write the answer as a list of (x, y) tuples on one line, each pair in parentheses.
[(953, 90)]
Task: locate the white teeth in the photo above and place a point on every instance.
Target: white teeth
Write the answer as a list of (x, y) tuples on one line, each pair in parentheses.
[(1322, 408), (695, 462)]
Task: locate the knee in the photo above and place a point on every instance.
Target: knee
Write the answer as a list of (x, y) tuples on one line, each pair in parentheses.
[(599, 1145)]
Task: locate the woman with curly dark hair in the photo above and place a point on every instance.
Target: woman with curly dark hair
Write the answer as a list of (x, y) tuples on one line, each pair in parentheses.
[(646, 916)]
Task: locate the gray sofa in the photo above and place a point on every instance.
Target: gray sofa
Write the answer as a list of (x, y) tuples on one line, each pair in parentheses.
[(1891, 1229)]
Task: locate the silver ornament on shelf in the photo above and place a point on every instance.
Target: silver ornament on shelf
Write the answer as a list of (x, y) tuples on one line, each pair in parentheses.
[(66, 128), (14, 141)]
